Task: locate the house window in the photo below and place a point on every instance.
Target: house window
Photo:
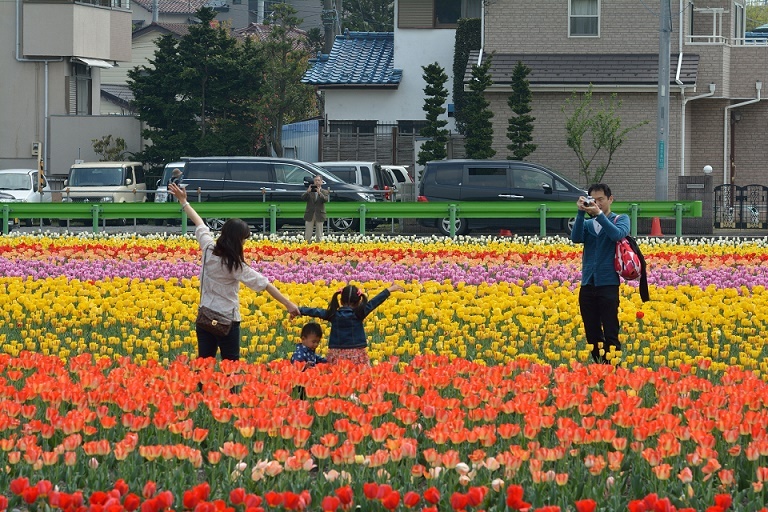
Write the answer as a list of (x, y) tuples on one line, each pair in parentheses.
[(410, 127), (82, 93), (436, 13), (584, 18), (739, 21)]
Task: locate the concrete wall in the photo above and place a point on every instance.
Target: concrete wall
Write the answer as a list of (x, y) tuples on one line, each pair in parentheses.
[(71, 138)]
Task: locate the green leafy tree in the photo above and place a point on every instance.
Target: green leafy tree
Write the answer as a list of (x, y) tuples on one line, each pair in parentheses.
[(520, 128), (467, 39), (109, 149), (436, 96), (284, 98), (368, 15), (479, 129), (757, 14), (199, 94), (594, 133)]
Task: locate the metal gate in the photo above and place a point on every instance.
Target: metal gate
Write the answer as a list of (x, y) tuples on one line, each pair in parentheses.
[(741, 207)]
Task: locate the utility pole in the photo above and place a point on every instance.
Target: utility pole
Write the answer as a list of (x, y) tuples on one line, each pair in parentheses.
[(329, 25), (662, 117)]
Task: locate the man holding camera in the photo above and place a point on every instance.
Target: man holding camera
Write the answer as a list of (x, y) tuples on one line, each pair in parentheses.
[(599, 292), (314, 214)]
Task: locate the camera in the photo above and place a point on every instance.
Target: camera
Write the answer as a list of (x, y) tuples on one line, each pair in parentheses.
[(314, 188), (588, 201)]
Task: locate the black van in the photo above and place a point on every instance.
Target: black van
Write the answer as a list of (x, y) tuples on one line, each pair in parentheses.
[(265, 179), (495, 180)]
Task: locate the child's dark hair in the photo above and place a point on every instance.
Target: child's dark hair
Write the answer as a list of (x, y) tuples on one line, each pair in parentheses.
[(312, 328), (350, 296)]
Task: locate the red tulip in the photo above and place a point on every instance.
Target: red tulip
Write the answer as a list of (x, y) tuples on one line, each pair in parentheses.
[(432, 495), (370, 490), (723, 500), (273, 498), (150, 488), (515, 498), (459, 501), (411, 499), (330, 504), (237, 496), (345, 495), (586, 506), (18, 485), (131, 502), (391, 501)]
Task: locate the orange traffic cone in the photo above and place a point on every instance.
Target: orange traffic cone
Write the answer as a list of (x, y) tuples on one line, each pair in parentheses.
[(656, 227)]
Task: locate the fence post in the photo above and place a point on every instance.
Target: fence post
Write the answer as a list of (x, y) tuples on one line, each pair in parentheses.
[(542, 220), (6, 210), (362, 209), (95, 215), (452, 218), (272, 219), (184, 219), (678, 219), (633, 209)]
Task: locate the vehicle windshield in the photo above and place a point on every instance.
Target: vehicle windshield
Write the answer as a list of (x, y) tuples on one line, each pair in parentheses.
[(96, 177), (327, 176), (15, 181)]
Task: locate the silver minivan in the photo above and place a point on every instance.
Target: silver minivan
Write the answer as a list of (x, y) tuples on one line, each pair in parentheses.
[(365, 174), (161, 194), (23, 186)]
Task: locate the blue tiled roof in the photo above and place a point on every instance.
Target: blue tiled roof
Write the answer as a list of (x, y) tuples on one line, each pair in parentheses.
[(357, 59)]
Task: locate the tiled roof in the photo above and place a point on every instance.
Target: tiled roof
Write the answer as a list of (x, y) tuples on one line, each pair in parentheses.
[(119, 94), (177, 29), (357, 59), (173, 6), (260, 32), (583, 69)]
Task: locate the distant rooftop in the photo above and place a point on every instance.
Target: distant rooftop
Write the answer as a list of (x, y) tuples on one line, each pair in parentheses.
[(357, 59)]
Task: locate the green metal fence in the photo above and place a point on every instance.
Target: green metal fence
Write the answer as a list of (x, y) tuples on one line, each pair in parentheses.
[(96, 212)]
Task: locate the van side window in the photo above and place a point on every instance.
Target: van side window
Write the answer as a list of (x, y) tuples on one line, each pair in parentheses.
[(139, 170), (205, 171), (532, 179), (487, 176), (448, 175), (250, 171), (293, 174), (365, 175), (347, 176)]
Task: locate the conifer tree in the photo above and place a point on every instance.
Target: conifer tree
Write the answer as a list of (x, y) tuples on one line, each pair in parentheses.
[(479, 130), (436, 96), (520, 128)]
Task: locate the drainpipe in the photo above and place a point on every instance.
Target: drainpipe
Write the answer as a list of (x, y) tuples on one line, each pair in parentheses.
[(482, 34), (726, 121), (684, 102), (19, 58)]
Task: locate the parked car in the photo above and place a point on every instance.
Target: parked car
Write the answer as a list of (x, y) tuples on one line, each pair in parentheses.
[(266, 179), (495, 180), (23, 186), (105, 182), (365, 174), (399, 173)]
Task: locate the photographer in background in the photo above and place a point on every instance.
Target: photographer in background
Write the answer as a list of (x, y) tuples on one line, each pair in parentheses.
[(314, 214), (599, 292)]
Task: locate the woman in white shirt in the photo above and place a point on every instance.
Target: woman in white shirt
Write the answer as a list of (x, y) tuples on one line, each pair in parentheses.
[(223, 268)]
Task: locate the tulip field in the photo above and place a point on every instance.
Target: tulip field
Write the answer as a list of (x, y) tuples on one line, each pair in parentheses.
[(481, 395)]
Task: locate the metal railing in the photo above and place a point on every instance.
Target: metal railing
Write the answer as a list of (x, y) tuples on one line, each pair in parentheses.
[(339, 209)]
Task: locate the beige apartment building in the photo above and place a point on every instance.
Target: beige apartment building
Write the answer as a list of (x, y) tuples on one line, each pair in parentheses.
[(51, 76), (717, 116)]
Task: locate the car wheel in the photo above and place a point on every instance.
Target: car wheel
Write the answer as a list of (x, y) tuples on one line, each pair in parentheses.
[(215, 224), (569, 225), (445, 226), (345, 224)]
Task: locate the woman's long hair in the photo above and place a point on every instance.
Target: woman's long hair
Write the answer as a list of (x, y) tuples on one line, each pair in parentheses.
[(350, 296), (229, 246)]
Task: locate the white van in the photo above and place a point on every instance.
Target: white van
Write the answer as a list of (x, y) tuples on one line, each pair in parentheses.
[(365, 174), (105, 182)]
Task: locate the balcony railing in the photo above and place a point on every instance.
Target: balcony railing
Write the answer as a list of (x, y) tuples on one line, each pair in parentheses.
[(116, 4)]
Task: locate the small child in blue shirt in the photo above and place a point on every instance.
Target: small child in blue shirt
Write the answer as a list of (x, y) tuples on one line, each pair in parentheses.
[(311, 335)]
